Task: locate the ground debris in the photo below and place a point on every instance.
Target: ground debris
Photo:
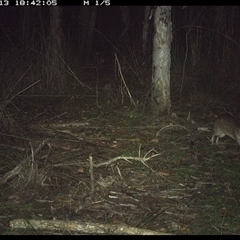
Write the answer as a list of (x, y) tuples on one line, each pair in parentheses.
[(82, 227)]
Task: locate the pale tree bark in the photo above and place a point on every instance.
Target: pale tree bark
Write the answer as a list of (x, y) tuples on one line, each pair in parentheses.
[(160, 99)]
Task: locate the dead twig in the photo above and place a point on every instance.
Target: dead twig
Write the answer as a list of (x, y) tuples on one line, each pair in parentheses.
[(141, 159), (124, 83), (74, 75), (88, 199), (168, 126), (91, 175), (7, 101), (31, 173), (18, 168)]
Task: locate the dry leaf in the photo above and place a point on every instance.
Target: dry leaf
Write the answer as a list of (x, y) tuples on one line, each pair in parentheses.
[(81, 170), (165, 174), (155, 140)]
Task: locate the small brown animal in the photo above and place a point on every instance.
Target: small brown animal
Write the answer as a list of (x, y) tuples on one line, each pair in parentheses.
[(226, 125)]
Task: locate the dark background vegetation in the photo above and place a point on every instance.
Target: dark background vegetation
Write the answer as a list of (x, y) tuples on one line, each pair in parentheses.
[(205, 50)]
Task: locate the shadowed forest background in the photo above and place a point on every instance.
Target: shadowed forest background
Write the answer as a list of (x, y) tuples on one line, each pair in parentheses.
[(65, 53)]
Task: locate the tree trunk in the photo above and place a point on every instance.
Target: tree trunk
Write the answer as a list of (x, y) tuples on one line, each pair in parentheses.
[(27, 19), (160, 99), (145, 34), (55, 55), (92, 23), (125, 19), (89, 21)]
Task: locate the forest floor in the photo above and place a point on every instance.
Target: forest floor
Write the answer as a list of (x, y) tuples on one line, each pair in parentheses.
[(80, 166)]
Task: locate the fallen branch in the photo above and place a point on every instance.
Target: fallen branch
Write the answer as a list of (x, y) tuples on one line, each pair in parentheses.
[(141, 159), (81, 227)]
